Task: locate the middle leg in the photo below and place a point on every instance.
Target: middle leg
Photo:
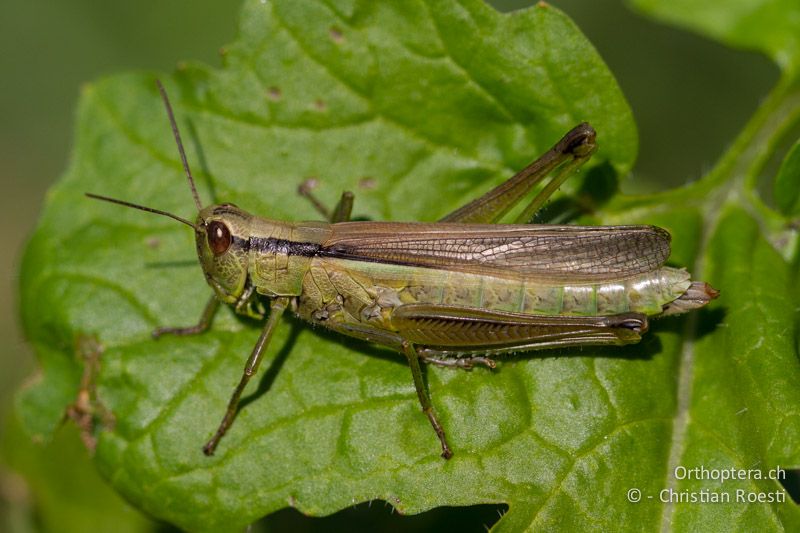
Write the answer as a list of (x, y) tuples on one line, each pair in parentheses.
[(425, 398)]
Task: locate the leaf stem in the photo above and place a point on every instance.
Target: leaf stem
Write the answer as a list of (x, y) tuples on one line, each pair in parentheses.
[(744, 162)]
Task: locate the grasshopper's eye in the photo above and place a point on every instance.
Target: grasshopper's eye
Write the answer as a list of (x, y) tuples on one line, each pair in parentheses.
[(219, 237)]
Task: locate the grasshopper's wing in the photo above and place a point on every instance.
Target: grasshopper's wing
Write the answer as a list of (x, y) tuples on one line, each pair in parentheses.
[(452, 329), (576, 254)]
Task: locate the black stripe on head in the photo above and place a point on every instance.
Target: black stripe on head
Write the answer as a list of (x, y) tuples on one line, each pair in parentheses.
[(240, 244)]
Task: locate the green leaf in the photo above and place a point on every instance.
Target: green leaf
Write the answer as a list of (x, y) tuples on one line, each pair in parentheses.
[(68, 493), (768, 26), (416, 110), (787, 183)]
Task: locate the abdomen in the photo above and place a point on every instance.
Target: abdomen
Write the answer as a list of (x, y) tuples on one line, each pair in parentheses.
[(340, 292)]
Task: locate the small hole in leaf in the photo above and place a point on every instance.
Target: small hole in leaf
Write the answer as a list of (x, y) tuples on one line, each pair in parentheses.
[(791, 482)]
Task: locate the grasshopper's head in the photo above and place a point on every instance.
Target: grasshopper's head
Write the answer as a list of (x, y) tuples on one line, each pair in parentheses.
[(222, 231), (222, 234)]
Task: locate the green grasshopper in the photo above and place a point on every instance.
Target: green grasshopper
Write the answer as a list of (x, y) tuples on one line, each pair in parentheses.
[(452, 293)]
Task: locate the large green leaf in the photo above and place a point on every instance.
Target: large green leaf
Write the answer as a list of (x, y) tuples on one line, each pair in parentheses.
[(768, 26), (431, 102), (64, 492)]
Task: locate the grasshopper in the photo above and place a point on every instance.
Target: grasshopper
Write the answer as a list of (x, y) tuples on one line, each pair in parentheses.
[(453, 293)]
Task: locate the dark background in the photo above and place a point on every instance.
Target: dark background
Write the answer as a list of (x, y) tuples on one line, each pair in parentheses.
[(689, 96)]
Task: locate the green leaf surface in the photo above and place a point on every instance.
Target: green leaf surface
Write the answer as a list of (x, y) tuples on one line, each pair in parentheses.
[(416, 110), (69, 495), (787, 183), (768, 26)]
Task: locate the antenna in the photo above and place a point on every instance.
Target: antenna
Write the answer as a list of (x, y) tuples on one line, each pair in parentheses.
[(140, 207), (177, 135)]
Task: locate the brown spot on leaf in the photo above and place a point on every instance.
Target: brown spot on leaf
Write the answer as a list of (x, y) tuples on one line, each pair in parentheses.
[(87, 411), (336, 35), (274, 93), (367, 183)]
